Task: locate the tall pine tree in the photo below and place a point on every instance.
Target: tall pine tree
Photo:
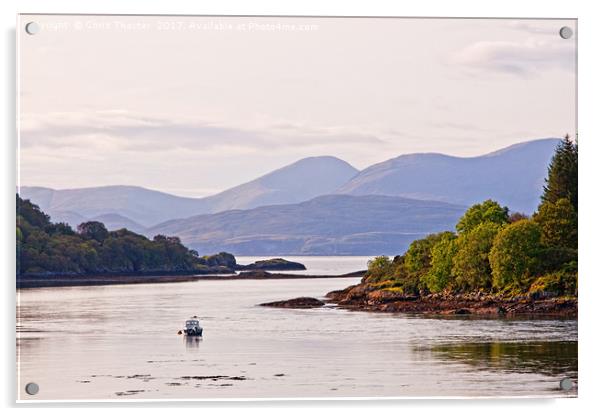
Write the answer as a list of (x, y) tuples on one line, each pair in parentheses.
[(562, 174)]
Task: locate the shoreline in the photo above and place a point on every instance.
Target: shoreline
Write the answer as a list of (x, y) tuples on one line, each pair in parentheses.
[(28, 282), (467, 304), (363, 298)]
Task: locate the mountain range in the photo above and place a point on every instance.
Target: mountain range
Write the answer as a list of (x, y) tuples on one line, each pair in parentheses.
[(131, 203), (275, 211), (513, 176), (326, 225), (300, 181)]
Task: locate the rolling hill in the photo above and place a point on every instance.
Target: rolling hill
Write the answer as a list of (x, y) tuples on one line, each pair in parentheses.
[(133, 204), (300, 181), (127, 205), (326, 225), (513, 176)]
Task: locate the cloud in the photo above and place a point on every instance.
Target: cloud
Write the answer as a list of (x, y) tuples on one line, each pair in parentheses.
[(526, 59), (126, 131), (193, 157)]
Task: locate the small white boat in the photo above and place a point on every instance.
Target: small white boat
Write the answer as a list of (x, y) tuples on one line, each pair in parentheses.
[(193, 327)]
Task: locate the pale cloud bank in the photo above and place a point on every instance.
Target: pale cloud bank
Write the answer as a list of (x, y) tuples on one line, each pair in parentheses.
[(531, 57), (137, 132)]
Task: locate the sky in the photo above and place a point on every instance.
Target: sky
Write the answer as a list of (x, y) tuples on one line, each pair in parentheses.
[(195, 105)]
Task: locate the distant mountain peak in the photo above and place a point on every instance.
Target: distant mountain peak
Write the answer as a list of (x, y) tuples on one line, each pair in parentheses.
[(299, 181), (513, 175), (302, 180), (331, 162), (522, 145), (323, 158)]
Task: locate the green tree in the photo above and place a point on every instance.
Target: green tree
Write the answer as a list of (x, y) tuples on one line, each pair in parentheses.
[(440, 275), (31, 213), (220, 259), (487, 211), (93, 230), (515, 255), (517, 216), (558, 222), (379, 268), (408, 282), (417, 258), (471, 262), (44, 247), (562, 174), (59, 228)]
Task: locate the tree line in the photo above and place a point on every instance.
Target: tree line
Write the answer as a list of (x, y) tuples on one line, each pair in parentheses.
[(44, 247), (494, 250)]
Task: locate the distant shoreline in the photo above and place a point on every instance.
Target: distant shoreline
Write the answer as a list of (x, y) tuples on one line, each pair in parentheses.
[(29, 282)]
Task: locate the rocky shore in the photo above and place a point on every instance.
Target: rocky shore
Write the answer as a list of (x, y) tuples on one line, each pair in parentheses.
[(296, 303), (363, 297)]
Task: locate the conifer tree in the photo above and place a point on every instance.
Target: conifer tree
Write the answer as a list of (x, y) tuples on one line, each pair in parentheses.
[(562, 174)]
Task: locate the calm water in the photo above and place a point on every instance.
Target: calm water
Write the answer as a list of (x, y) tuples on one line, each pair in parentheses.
[(120, 342)]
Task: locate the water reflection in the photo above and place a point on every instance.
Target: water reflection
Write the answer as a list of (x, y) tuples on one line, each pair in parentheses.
[(279, 352), (192, 343), (552, 358)]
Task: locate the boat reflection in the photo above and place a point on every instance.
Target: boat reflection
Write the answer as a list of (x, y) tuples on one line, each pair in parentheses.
[(192, 342)]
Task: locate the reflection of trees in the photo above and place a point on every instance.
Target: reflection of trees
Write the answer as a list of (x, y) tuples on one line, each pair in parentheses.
[(554, 358)]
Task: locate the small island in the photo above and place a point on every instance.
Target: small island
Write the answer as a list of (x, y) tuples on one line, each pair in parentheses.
[(279, 264)]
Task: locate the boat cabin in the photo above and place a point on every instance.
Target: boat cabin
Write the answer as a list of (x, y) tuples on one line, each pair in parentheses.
[(192, 323), (193, 327)]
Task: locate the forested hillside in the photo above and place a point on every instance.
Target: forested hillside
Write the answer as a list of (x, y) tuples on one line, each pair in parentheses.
[(50, 248)]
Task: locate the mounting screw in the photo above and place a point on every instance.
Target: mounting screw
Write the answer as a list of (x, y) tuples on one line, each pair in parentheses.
[(32, 28), (566, 32), (32, 388), (566, 383)]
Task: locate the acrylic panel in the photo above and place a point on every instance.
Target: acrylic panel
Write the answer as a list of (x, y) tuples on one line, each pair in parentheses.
[(243, 207)]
